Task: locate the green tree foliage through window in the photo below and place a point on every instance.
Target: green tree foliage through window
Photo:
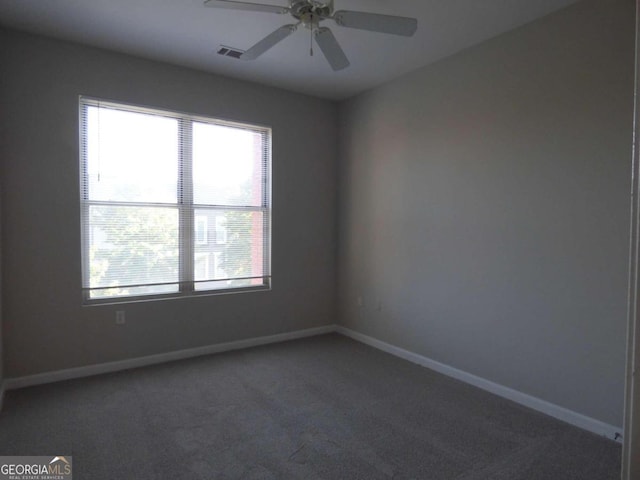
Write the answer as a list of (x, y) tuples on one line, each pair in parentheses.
[(140, 239)]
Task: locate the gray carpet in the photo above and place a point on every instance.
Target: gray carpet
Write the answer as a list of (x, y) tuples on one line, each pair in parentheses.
[(319, 408)]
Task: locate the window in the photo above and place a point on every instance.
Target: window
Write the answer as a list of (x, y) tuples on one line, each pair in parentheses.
[(221, 230), (151, 183), (201, 266), (201, 226)]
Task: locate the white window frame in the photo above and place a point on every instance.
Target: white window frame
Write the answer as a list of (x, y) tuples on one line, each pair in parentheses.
[(185, 206)]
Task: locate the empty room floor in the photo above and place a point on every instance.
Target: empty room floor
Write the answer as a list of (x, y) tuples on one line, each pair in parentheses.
[(325, 407)]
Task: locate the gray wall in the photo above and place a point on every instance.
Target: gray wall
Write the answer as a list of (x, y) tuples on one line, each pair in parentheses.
[(484, 208), (46, 328)]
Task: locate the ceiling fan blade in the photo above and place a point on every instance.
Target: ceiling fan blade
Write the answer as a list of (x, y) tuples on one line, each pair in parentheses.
[(268, 42), (331, 49), (252, 7), (376, 22)]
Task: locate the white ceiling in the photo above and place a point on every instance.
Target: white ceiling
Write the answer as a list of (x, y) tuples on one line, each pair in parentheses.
[(184, 32)]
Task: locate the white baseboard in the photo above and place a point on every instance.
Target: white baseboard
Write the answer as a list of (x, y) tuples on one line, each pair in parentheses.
[(80, 372), (556, 411), (561, 413)]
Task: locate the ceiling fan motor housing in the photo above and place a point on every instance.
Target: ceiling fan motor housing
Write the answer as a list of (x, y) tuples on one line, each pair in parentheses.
[(311, 12)]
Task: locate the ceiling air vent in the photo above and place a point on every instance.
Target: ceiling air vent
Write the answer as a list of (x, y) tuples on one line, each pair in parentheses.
[(230, 52)]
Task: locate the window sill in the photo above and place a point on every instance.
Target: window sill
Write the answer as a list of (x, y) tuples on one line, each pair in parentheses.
[(95, 302)]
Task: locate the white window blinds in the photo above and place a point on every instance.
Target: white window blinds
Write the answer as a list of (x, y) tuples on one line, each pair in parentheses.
[(172, 204)]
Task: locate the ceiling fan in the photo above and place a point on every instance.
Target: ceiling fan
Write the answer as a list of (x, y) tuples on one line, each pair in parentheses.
[(310, 14)]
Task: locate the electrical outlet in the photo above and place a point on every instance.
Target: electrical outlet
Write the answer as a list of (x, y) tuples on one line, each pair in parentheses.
[(120, 318)]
